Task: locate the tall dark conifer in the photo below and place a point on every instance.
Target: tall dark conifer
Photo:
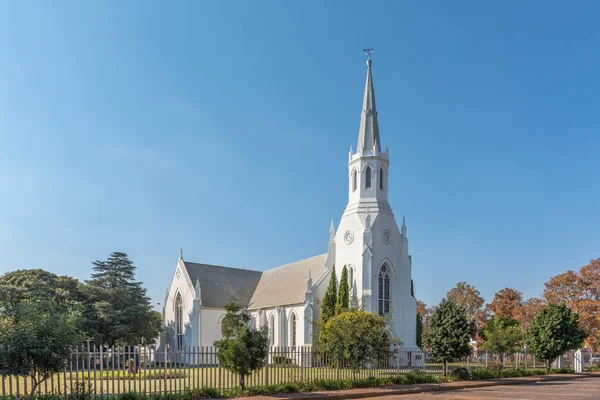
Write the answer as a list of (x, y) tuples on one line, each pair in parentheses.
[(123, 313), (343, 297), (329, 300)]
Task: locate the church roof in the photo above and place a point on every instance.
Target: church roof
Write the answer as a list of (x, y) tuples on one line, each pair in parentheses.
[(368, 133), (220, 285), (286, 284)]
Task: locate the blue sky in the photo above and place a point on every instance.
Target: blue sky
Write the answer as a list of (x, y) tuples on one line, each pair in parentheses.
[(223, 128)]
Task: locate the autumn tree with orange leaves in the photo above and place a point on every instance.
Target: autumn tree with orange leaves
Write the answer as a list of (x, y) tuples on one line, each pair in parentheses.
[(506, 303), (528, 311), (468, 297), (580, 291)]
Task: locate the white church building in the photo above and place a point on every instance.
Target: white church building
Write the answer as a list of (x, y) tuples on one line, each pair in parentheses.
[(367, 241)]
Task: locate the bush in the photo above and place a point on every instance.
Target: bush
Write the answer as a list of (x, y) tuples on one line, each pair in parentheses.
[(459, 374)]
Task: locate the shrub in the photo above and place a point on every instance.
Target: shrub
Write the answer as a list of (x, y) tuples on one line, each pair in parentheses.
[(459, 374)]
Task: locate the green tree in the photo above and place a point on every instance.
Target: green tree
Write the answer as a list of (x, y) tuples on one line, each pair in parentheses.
[(412, 288), (450, 333), (122, 310), (554, 331), (36, 338), (501, 335), (37, 282), (343, 298), (354, 338), (329, 300), (242, 349)]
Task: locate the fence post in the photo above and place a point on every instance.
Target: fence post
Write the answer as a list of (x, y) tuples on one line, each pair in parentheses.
[(486, 358), (267, 367)]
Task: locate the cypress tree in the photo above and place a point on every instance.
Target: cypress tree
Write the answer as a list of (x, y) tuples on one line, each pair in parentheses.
[(343, 297), (412, 288), (328, 304)]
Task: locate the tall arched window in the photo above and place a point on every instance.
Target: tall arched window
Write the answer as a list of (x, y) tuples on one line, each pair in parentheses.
[(368, 178), (272, 330), (381, 179), (179, 321), (293, 329), (384, 290), (353, 180)]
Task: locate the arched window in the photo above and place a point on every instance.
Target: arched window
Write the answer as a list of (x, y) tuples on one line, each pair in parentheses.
[(368, 178), (272, 330), (293, 328), (381, 179), (384, 290), (353, 180), (179, 321)]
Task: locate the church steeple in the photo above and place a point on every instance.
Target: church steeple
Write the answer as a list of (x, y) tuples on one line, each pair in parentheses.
[(368, 134)]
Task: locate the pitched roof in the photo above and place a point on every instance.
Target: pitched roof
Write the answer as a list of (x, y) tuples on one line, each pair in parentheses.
[(219, 285), (286, 284)]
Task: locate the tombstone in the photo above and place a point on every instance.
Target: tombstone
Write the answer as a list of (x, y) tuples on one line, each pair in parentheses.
[(559, 363), (578, 361)]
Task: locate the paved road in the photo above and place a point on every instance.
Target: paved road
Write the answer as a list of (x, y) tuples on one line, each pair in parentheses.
[(577, 389)]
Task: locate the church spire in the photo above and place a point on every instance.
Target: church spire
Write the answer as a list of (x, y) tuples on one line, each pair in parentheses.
[(368, 134)]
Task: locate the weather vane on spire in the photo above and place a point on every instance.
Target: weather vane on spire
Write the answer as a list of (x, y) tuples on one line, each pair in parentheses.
[(369, 52)]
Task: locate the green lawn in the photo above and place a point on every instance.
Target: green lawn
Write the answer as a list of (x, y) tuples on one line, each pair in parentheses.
[(152, 380)]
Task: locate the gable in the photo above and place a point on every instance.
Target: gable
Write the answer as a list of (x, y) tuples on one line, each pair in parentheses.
[(220, 285)]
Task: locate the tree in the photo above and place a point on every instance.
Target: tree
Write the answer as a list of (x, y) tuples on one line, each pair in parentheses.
[(421, 308), (412, 288), (468, 298), (329, 299), (242, 349), (580, 291), (528, 311), (450, 333), (501, 336), (122, 310), (554, 331), (343, 297), (37, 283), (506, 303), (354, 338), (36, 338)]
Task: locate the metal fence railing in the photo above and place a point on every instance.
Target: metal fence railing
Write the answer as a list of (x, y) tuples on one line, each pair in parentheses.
[(108, 371)]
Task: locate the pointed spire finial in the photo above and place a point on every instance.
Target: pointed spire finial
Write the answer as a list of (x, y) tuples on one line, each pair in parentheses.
[(331, 230), (403, 229), (368, 134)]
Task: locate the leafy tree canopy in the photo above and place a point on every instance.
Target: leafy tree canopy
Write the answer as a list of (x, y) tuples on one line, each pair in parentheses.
[(506, 303), (501, 336), (122, 312), (242, 349), (554, 331), (450, 333), (35, 283), (468, 298), (353, 338), (579, 291), (36, 338)]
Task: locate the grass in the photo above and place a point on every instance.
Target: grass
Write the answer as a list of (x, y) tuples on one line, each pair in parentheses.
[(83, 392), (181, 380)]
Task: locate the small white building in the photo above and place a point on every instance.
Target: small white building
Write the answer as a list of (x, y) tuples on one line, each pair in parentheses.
[(367, 241)]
